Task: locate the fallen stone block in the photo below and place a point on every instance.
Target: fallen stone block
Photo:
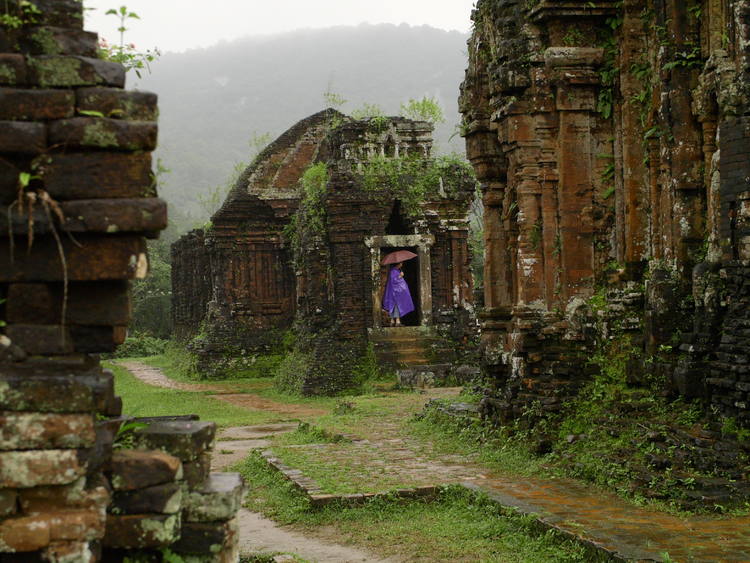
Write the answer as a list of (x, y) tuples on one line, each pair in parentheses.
[(135, 469), (160, 499), (141, 530), (118, 104), (186, 440), (207, 539), (103, 133), (39, 467), (219, 498), (25, 431)]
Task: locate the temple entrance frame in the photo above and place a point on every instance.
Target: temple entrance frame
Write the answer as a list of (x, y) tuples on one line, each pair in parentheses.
[(423, 243)]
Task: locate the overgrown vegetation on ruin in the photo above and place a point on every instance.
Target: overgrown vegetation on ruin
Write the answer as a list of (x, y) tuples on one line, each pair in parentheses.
[(413, 179)]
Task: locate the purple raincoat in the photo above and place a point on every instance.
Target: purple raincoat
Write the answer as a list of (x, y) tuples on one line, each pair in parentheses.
[(397, 294)]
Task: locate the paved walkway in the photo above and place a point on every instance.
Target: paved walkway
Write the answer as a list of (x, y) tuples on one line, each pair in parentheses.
[(603, 520)]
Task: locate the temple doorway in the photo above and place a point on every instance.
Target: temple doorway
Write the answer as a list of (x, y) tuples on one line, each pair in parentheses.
[(411, 276), (417, 273)]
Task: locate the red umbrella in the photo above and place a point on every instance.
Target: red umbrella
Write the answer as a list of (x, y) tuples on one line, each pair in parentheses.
[(398, 256)]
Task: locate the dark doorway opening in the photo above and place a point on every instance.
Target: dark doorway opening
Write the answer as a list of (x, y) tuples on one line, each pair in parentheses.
[(411, 276), (396, 224)]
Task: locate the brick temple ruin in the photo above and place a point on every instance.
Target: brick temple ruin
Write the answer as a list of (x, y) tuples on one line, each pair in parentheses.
[(75, 172), (612, 142), (278, 256)]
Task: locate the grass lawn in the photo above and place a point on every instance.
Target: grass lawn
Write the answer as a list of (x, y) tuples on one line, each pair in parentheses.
[(459, 526), (140, 399)]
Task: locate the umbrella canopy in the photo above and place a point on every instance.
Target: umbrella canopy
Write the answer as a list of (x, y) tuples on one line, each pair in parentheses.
[(398, 256)]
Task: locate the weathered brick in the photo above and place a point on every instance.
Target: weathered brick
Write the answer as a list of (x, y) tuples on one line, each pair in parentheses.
[(97, 339), (45, 340), (25, 431), (99, 175), (8, 502), (22, 137), (35, 105), (141, 215), (77, 495), (52, 40), (88, 303), (69, 552), (24, 533), (186, 440), (62, 13), (118, 104), (12, 69), (58, 71), (136, 469), (207, 538), (40, 467), (197, 470), (103, 133), (113, 257), (9, 173), (159, 499), (28, 392), (219, 498), (142, 530)]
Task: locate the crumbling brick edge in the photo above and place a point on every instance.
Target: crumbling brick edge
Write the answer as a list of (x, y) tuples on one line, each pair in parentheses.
[(544, 523)]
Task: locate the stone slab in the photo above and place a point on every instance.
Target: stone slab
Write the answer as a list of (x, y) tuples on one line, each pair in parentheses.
[(98, 258), (136, 215), (91, 304), (61, 71), (137, 469), (22, 137), (39, 467), (25, 431), (206, 538), (24, 533), (141, 530), (44, 340), (103, 133), (160, 499), (186, 440), (74, 176), (49, 393), (35, 105), (54, 40), (219, 498), (118, 104), (81, 494)]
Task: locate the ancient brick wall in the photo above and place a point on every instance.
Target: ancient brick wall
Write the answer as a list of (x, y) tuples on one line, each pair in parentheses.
[(611, 143), (78, 199)]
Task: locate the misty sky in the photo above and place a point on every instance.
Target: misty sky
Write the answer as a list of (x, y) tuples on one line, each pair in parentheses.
[(177, 25)]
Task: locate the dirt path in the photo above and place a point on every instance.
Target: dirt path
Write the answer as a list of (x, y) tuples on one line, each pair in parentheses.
[(154, 376)]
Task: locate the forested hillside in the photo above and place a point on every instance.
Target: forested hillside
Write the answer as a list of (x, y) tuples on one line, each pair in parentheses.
[(215, 101)]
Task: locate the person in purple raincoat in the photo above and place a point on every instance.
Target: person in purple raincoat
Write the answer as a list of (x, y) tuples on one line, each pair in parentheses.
[(397, 300)]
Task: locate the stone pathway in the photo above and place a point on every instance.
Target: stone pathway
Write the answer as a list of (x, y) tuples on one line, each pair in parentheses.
[(603, 520)]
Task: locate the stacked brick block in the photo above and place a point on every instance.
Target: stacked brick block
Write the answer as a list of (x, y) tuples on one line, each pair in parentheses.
[(77, 200)]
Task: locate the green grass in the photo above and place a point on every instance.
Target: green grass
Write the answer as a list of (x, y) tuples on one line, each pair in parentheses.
[(140, 399), (459, 526)]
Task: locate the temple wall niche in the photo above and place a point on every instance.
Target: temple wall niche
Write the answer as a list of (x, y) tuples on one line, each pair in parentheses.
[(610, 140)]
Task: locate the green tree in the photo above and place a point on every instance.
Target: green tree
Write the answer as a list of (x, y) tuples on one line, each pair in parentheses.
[(426, 109)]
